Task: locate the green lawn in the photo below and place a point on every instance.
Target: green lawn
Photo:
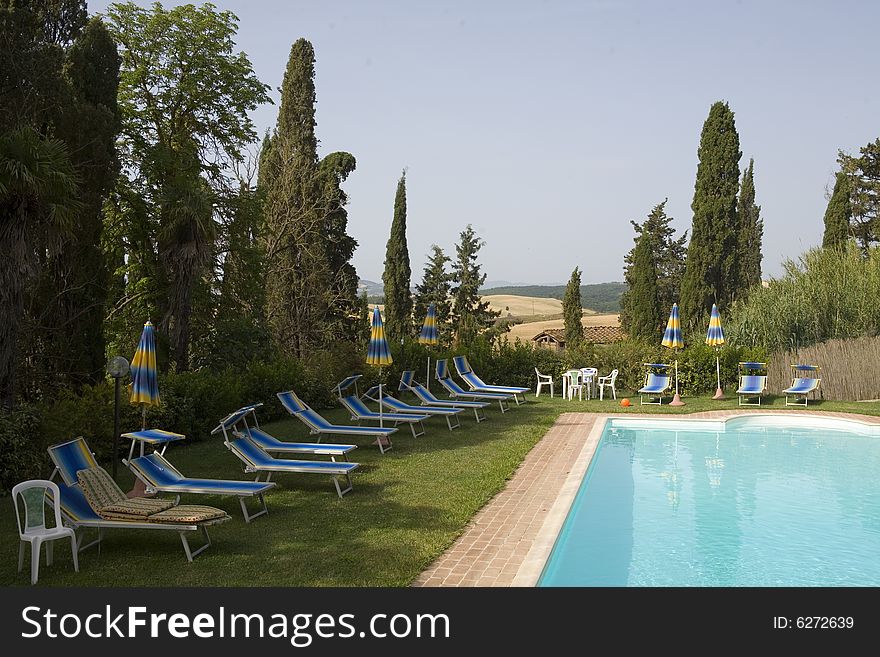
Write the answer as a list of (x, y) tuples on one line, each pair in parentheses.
[(406, 508)]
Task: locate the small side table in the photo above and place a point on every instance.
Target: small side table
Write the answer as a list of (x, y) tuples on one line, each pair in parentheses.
[(155, 437)]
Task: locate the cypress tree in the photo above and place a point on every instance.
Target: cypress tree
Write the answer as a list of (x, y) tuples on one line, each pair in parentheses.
[(341, 321), (434, 288), (838, 213), (669, 258), (573, 312), (710, 271), (396, 277), (750, 234), (78, 274), (470, 315), (297, 273), (644, 313)]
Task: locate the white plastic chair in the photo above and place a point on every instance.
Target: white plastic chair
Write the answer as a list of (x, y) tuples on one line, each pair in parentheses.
[(544, 380), (610, 382), (575, 384), (33, 530), (588, 378)]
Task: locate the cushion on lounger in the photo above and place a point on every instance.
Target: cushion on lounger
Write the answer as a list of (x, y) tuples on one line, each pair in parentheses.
[(99, 488), (105, 497), (138, 506), (188, 513)]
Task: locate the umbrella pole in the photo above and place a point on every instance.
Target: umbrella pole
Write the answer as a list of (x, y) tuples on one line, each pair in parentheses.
[(428, 374), (676, 400), (143, 417), (719, 393)]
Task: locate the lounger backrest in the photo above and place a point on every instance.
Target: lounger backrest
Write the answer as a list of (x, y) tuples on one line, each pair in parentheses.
[(232, 419), (74, 504), (423, 393), (461, 365), (753, 382), (346, 383), (406, 380), (356, 406), (452, 386), (807, 384), (71, 457), (250, 452), (156, 469), (314, 420), (657, 381), (291, 402), (441, 369)]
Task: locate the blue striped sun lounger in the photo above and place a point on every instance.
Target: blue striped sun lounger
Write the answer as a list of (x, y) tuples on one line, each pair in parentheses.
[(476, 384), (73, 456), (751, 387), (319, 426), (396, 406), (257, 460), (236, 423), (801, 386), (655, 385), (272, 445), (160, 476), (427, 398), (441, 373), (360, 411)]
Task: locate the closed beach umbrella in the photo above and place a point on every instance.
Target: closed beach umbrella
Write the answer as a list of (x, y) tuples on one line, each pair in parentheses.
[(715, 338), (378, 353), (429, 337), (672, 339), (145, 383)]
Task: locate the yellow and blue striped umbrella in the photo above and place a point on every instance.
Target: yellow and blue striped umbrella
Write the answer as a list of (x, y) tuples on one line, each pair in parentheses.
[(378, 354), (672, 335), (145, 384), (429, 335), (715, 335), (672, 339), (715, 338)]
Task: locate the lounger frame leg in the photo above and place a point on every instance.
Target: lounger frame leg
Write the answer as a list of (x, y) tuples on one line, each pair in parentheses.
[(190, 554), (342, 491), (501, 404), (449, 422), (480, 417), (250, 516), (412, 427), (80, 537)]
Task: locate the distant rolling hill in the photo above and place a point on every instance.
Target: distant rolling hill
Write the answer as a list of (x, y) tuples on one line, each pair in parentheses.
[(601, 297)]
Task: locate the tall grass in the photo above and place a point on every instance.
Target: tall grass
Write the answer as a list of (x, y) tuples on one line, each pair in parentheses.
[(849, 369), (826, 294)]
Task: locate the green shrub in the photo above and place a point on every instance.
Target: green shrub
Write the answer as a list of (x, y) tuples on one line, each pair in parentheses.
[(828, 293), (21, 453)]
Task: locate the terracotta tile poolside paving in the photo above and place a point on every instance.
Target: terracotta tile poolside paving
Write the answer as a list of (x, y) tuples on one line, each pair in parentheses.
[(496, 544)]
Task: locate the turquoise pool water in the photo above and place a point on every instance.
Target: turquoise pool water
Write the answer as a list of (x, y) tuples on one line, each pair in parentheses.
[(752, 502)]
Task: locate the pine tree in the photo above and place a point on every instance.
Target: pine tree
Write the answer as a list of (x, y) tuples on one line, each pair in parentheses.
[(710, 271), (668, 253), (470, 315), (396, 277), (863, 173), (750, 234), (838, 214), (298, 276), (644, 312), (573, 312), (434, 288)]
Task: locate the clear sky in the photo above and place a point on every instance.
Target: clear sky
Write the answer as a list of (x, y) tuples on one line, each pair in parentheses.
[(548, 124)]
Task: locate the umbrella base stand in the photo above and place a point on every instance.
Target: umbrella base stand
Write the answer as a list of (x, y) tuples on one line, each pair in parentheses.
[(676, 401), (719, 394)]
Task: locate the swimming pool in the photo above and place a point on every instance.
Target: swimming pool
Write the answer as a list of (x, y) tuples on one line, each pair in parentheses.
[(754, 501)]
